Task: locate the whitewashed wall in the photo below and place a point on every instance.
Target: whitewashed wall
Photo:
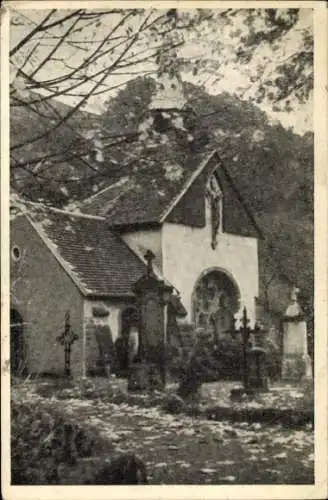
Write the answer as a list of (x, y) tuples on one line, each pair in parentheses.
[(145, 239), (113, 321), (187, 253)]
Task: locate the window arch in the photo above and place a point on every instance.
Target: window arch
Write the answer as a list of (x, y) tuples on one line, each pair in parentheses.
[(129, 318), (215, 301)]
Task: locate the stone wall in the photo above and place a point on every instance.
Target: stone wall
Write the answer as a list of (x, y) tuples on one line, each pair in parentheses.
[(113, 320), (42, 292)]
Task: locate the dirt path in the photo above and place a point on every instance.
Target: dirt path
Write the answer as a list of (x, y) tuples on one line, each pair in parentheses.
[(186, 450)]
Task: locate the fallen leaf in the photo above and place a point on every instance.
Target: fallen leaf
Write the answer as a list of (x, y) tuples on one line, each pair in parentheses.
[(208, 471), (281, 455), (228, 478)]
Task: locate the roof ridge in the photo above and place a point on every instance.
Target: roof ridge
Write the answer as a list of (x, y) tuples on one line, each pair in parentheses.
[(66, 212), (93, 196)]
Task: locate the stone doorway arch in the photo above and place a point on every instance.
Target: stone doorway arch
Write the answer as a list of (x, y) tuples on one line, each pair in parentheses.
[(215, 301), (129, 320), (17, 344)]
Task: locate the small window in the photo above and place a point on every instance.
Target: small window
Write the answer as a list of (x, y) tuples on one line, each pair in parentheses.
[(16, 253)]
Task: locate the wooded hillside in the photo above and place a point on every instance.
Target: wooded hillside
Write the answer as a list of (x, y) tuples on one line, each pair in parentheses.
[(272, 167)]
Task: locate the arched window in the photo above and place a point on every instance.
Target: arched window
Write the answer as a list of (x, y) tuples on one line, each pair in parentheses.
[(215, 302), (214, 196), (129, 318)]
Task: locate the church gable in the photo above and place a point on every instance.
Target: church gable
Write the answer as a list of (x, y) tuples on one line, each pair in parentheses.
[(232, 213)]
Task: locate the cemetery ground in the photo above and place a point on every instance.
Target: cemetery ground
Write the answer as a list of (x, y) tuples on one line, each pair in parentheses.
[(181, 448)]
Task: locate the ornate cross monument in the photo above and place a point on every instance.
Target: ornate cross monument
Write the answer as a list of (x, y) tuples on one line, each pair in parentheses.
[(152, 297), (254, 372), (296, 363)]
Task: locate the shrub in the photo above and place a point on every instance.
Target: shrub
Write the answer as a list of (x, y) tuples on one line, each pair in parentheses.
[(211, 360), (173, 404), (42, 440), (49, 448)]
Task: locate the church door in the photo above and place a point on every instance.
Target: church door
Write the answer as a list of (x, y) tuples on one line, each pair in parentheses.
[(129, 323), (17, 351)]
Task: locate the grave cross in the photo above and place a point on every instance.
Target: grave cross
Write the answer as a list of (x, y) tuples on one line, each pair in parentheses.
[(66, 339), (245, 332), (149, 257)]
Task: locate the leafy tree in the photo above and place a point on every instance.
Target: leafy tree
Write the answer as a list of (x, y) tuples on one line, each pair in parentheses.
[(80, 55)]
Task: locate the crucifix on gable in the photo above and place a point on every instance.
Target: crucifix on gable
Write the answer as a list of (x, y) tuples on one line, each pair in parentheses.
[(214, 195)]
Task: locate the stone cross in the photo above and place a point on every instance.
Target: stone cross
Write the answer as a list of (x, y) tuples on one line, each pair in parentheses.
[(149, 257), (66, 339), (294, 294)]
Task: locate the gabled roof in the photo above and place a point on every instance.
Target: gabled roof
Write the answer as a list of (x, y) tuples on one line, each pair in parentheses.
[(150, 196), (99, 262)]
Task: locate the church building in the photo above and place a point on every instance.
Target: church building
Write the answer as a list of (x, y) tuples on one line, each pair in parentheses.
[(185, 209)]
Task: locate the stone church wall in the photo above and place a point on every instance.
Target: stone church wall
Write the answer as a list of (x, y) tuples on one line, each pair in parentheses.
[(113, 320), (42, 292)]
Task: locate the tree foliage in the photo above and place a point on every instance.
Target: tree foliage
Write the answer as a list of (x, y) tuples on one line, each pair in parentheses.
[(83, 55)]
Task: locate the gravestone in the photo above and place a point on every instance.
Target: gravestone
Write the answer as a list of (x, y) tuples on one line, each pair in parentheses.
[(152, 297), (296, 362), (258, 377)]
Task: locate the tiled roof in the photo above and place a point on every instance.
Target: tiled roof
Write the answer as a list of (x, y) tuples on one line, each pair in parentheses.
[(146, 196), (96, 258)]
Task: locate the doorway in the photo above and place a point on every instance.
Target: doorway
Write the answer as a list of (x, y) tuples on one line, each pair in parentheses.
[(129, 321), (17, 344)]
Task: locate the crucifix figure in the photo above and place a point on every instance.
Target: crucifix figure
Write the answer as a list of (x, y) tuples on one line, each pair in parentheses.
[(66, 339), (214, 194)]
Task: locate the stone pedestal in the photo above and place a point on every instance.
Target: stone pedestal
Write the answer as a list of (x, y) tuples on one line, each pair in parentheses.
[(296, 362), (152, 296), (258, 377)]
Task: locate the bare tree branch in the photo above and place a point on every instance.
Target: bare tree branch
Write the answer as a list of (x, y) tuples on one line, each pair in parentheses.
[(30, 35)]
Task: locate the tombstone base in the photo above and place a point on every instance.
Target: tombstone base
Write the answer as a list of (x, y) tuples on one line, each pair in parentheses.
[(257, 385), (144, 377), (296, 367), (138, 377)]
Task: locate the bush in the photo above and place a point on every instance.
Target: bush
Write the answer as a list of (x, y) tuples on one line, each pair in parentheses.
[(48, 448), (212, 360), (173, 404)]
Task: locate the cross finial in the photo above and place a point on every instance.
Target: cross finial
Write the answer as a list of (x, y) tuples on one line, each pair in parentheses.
[(149, 256), (294, 293)]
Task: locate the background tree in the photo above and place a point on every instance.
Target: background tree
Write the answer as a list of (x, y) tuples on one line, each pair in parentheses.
[(64, 60), (80, 56)]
